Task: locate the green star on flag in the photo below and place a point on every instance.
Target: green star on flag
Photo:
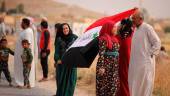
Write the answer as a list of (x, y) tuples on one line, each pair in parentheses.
[(95, 35)]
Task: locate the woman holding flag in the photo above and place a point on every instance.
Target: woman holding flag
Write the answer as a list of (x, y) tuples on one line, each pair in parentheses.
[(66, 74), (107, 70)]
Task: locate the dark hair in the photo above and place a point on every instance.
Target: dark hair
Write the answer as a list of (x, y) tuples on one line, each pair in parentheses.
[(163, 48), (25, 41), (26, 21), (70, 31), (127, 23), (44, 24), (58, 26)]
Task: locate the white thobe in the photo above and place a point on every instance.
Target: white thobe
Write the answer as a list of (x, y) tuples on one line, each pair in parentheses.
[(2, 30), (18, 65), (145, 45)]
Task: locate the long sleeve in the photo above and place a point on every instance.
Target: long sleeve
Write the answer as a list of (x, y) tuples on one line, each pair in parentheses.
[(3, 30), (46, 40), (30, 57), (57, 50), (154, 41), (102, 49)]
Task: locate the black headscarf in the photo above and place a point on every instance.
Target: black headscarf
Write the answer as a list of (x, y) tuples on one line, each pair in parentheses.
[(70, 34), (126, 28), (58, 26), (70, 38)]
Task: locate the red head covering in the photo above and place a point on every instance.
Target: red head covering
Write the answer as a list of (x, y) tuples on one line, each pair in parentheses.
[(106, 34)]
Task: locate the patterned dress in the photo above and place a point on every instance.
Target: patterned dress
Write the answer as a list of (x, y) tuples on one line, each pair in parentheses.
[(108, 83)]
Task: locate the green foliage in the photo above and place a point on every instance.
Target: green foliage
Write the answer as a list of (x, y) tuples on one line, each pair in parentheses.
[(3, 6), (12, 11), (20, 8), (167, 29)]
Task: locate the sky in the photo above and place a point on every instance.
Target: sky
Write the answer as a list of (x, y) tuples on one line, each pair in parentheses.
[(156, 8)]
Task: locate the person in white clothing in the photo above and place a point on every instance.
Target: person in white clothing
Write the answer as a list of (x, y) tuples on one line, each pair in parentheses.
[(2, 28), (26, 34), (145, 46)]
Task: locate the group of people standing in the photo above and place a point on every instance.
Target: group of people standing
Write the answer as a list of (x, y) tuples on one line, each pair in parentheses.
[(34, 42), (126, 64), (25, 57), (125, 67), (26, 53)]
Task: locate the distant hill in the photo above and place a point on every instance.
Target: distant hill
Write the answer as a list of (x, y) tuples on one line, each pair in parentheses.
[(53, 9)]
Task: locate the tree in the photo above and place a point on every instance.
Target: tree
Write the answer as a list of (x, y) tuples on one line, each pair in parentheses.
[(3, 6), (12, 11), (167, 29), (20, 8)]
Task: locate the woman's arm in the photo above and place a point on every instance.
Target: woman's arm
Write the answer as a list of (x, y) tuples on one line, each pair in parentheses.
[(57, 51)]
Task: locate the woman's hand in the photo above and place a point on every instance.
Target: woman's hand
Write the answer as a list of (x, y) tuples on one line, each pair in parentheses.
[(101, 71), (59, 62)]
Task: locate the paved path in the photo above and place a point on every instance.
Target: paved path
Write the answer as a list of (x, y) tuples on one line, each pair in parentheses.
[(47, 88)]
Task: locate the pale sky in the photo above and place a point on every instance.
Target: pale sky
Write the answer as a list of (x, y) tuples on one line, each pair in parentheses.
[(156, 8)]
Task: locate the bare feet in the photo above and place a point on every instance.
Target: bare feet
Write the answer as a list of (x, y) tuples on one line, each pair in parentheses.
[(20, 87), (43, 79), (28, 87), (10, 84)]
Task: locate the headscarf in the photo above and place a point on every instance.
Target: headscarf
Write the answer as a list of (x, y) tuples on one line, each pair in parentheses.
[(58, 26), (126, 28), (69, 34), (106, 34)]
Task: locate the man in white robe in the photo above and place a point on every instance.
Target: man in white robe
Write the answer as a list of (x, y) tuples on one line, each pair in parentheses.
[(27, 34), (32, 25), (2, 28), (145, 45)]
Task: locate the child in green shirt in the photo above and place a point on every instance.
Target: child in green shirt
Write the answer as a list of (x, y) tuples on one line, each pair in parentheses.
[(27, 60)]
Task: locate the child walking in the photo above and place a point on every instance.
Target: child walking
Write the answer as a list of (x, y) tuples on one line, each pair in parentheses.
[(27, 60), (4, 55)]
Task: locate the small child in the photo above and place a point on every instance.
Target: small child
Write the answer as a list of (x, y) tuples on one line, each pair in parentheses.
[(27, 60), (4, 55)]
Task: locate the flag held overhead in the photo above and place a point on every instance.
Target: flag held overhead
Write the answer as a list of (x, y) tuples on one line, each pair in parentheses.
[(84, 50)]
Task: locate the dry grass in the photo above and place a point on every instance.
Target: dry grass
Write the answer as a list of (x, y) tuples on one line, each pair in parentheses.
[(162, 79)]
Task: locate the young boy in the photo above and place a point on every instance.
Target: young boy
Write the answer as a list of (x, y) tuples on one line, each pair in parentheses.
[(27, 60), (4, 55)]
